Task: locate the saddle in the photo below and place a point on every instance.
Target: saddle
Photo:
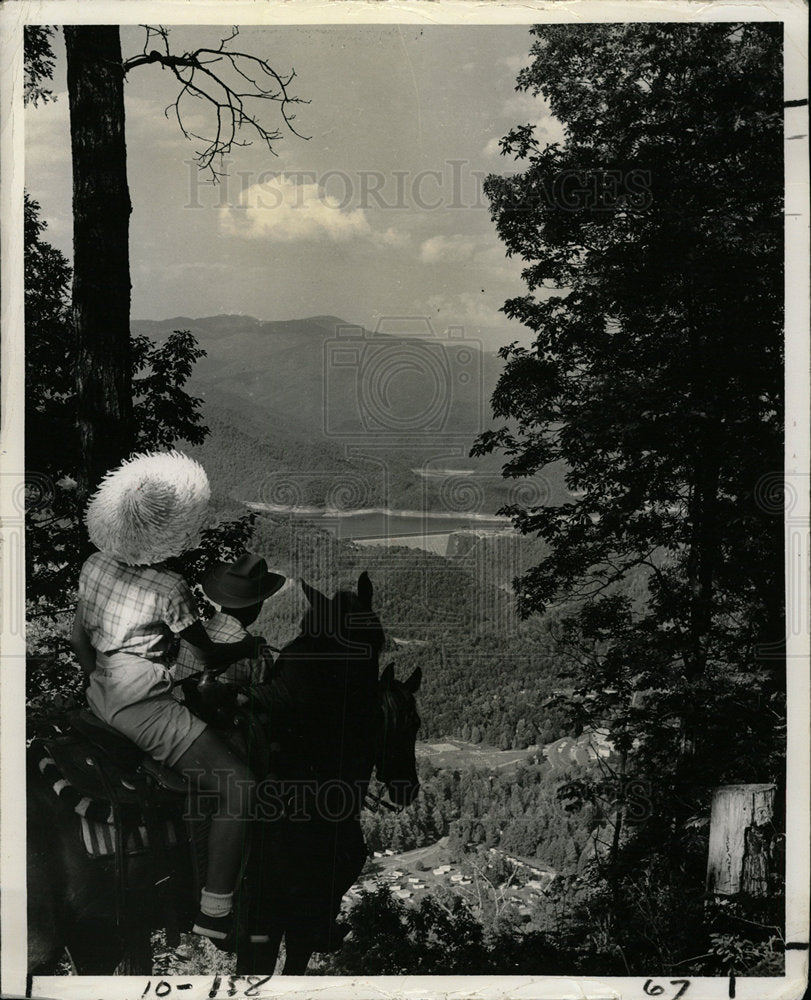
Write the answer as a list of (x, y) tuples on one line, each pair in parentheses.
[(127, 762)]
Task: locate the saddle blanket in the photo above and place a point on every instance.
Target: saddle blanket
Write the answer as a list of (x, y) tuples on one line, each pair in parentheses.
[(95, 819), (99, 838)]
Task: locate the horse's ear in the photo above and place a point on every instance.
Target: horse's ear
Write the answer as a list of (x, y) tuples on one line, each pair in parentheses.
[(412, 685), (365, 590), (315, 597), (387, 677)]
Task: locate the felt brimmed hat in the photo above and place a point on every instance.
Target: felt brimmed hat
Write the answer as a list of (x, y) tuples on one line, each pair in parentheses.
[(241, 583), (150, 508)]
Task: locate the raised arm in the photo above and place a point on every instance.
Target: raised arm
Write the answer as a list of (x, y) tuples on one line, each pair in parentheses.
[(219, 655)]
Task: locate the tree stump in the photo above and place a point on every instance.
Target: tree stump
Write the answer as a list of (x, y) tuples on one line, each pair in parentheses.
[(742, 840)]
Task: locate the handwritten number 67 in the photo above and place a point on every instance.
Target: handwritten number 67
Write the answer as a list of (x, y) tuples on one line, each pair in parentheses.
[(655, 990)]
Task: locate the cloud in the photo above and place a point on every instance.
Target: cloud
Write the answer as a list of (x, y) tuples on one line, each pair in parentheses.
[(522, 104), (393, 238), (492, 148), (515, 63), (495, 265), (282, 211), (522, 108), (47, 134), (447, 249)]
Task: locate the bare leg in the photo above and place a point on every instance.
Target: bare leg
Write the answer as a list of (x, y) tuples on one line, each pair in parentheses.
[(217, 769)]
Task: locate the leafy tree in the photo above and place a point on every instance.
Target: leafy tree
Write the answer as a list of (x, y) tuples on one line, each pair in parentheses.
[(653, 243), (438, 936), (654, 233), (163, 413), (39, 64)]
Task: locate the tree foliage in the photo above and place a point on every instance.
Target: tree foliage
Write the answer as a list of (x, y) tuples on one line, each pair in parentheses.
[(652, 239), (39, 63)]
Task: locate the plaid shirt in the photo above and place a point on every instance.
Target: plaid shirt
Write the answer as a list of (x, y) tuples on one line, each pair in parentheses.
[(133, 609), (221, 628)]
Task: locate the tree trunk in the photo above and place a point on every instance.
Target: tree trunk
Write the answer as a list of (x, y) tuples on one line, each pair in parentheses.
[(101, 272), (743, 838)]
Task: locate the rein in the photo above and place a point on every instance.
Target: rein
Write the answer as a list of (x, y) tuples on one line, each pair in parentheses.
[(208, 670)]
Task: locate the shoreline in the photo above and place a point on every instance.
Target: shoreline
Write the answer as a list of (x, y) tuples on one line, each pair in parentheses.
[(385, 511)]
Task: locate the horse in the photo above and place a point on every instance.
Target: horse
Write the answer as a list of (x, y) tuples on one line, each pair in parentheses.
[(71, 898), (336, 721)]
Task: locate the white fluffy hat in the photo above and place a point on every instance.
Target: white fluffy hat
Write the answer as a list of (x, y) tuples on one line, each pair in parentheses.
[(150, 508)]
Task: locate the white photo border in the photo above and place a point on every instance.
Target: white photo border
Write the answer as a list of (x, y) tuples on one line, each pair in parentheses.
[(14, 15)]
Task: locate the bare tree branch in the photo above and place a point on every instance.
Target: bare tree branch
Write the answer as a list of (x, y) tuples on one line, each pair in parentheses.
[(222, 90)]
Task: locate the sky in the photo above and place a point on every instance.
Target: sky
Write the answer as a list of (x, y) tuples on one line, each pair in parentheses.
[(379, 213)]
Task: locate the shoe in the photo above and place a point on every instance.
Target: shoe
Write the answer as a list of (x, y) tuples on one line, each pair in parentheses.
[(219, 930)]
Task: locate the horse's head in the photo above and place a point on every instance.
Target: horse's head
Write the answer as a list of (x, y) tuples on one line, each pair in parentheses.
[(396, 735), (346, 620)]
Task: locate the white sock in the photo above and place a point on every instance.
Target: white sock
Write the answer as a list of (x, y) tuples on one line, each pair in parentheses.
[(216, 904)]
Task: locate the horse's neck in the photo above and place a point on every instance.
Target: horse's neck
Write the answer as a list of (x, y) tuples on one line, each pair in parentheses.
[(323, 708), (320, 656)]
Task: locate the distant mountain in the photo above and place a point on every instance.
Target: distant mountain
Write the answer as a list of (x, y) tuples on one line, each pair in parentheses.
[(321, 397), (321, 376)]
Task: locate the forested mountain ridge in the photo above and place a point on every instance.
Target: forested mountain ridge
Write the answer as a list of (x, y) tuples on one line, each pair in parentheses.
[(275, 365), (487, 675), (268, 395)]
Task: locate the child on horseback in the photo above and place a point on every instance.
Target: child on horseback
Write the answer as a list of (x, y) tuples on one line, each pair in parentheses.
[(240, 588), (149, 509)]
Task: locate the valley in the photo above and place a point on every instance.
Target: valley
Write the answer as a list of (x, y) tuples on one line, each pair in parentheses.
[(333, 497)]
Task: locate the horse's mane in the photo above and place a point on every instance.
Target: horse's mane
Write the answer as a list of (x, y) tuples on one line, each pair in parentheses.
[(343, 621)]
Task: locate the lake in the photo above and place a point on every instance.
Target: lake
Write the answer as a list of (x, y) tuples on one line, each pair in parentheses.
[(387, 526)]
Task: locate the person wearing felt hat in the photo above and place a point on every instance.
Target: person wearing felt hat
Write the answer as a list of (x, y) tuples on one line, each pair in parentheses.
[(240, 588), (147, 510)]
